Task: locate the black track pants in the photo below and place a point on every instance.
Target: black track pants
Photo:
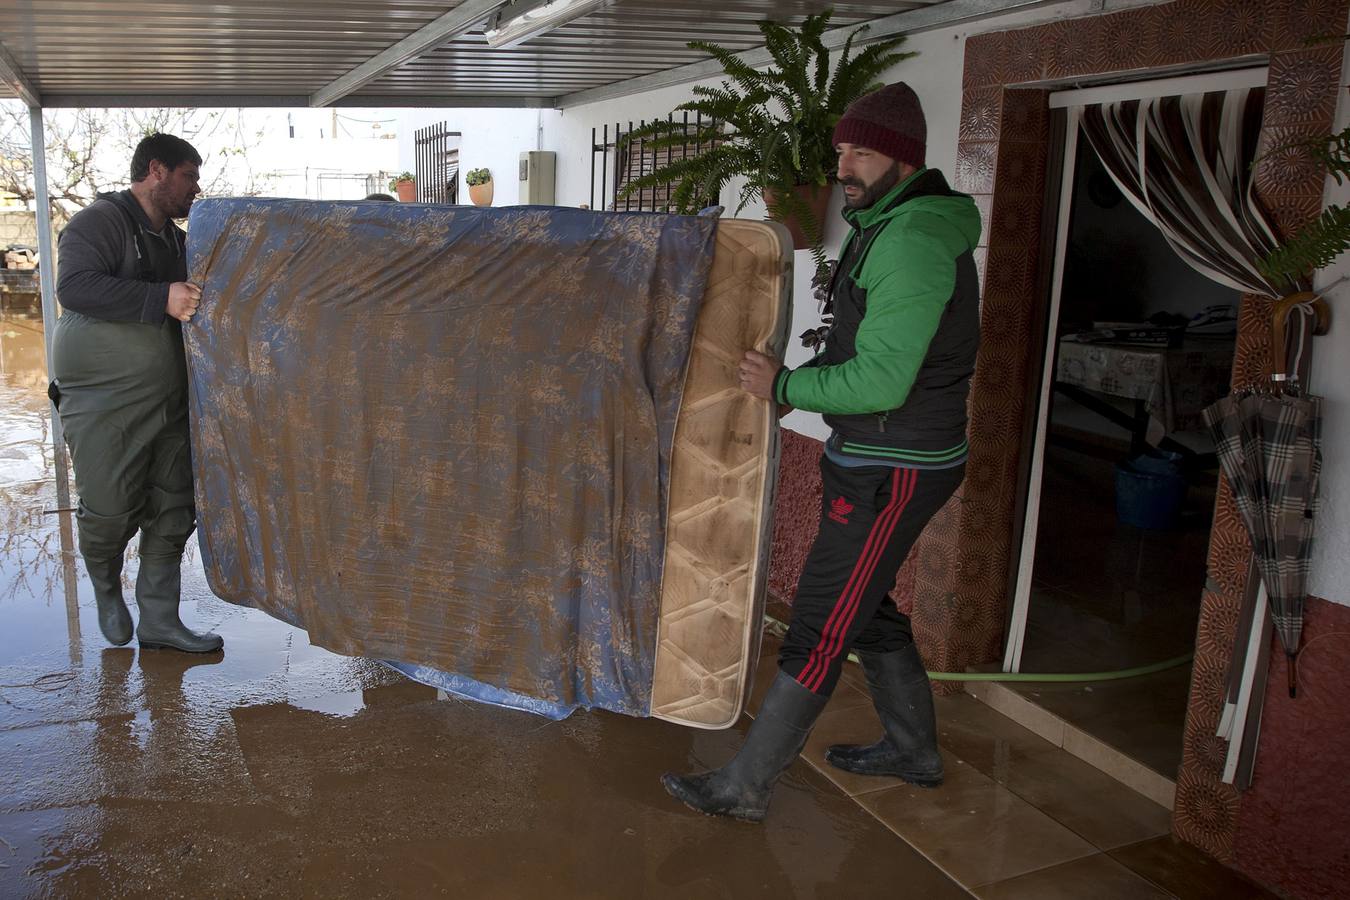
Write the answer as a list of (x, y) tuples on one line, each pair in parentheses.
[(870, 518)]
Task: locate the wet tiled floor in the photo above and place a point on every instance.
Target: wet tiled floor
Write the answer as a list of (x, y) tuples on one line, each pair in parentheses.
[(1020, 817), (277, 768)]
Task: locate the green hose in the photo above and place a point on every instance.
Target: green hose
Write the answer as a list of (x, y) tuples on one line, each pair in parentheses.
[(1056, 677)]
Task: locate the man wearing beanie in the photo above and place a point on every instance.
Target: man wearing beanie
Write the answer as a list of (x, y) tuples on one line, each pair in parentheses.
[(891, 381)]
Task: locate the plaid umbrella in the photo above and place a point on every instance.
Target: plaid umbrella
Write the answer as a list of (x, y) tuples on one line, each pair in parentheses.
[(1269, 446)]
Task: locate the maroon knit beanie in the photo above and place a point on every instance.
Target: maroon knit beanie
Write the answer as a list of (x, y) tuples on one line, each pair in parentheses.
[(889, 120)]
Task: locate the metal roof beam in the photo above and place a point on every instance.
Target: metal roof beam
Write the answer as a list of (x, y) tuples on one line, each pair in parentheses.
[(152, 99), (256, 101), (11, 73), (449, 26), (935, 15)]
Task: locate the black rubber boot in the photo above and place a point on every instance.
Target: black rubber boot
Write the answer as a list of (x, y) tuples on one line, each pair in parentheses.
[(741, 789), (157, 594), (114, 619), (903, 698)]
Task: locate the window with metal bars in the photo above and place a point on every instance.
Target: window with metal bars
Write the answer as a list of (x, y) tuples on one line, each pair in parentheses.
[(615, 164), (437, 164)]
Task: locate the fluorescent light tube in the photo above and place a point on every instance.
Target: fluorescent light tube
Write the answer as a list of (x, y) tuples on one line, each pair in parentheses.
[(520, 21)]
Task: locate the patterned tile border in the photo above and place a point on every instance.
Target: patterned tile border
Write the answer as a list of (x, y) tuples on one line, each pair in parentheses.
[(1002, 151)]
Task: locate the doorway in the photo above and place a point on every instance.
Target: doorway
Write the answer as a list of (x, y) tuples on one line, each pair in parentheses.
[(1123, 481)]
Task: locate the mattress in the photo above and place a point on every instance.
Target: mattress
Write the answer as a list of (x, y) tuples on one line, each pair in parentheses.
[(502, 449)]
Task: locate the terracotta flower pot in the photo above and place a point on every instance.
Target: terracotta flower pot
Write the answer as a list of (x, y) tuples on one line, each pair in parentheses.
[(407, 191), (481, 194), (817, 197)]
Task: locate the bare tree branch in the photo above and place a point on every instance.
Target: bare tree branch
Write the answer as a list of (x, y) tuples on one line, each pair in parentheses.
[(89, 151)]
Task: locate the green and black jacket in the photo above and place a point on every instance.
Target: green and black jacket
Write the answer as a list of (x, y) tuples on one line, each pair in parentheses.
[(893, 378)]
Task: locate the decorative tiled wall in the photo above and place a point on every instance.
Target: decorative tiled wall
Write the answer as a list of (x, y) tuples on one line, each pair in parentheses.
[(1293, 830), (961, 582), (960, 589)]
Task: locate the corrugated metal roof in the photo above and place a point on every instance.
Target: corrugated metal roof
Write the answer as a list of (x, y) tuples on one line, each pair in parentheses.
[(265, 52), (181, 46)]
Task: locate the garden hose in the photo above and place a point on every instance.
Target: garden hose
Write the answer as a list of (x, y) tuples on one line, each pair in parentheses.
[(1050, 677)]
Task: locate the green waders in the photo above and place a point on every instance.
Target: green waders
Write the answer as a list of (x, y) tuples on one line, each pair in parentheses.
[(123, 404)]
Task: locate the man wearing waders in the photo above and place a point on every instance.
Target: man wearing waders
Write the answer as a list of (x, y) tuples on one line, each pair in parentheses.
[(892, 382), (121, 389)]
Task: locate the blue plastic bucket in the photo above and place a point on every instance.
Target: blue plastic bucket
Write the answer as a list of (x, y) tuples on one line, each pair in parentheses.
[(1149, 499)]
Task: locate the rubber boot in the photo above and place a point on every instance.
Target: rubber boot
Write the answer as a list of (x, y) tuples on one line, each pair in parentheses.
[(903, 698), (103, 545), (741, 789), (157, 594), (114, 619)]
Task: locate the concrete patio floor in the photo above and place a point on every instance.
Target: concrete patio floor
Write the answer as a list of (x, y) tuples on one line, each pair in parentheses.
[(277, 768)]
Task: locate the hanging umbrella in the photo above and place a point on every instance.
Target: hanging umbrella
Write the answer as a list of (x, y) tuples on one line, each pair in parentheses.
[(1269, 445)]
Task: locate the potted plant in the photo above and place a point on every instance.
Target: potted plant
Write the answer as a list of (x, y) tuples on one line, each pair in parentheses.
[(480, 186), (772, 127), (405, 185)]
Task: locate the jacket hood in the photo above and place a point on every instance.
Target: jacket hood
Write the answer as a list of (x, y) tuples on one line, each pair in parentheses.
[(123, 198), (924, 191)]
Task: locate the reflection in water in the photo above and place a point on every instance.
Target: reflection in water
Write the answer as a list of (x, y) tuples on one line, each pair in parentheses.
[(44, 593), (39, 550), (25, 416), (69, 580)]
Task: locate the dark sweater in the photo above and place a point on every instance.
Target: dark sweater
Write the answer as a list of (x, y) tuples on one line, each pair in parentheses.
[(100, 273)]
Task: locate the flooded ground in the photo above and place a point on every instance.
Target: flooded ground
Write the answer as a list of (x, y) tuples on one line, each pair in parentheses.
[(277, 768)]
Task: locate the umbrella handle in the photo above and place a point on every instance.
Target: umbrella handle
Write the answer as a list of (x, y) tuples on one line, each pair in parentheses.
[(1279, 323)]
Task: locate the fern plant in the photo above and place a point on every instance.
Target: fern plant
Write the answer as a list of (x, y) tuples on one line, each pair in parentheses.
[(771, 127), (1319, 243)]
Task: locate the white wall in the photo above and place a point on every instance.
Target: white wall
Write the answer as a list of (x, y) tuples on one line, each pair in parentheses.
[(316, 168), (290, 149), (1330, 378), (494, 138), (935, 74), (491, 139)]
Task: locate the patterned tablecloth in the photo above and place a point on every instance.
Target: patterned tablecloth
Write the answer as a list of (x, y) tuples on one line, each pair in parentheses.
[(1175, 384)]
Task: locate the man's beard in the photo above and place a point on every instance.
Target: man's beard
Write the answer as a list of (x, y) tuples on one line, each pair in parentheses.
[(873, 192), (172, 207)]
